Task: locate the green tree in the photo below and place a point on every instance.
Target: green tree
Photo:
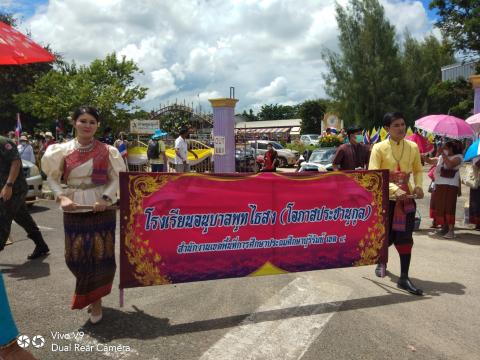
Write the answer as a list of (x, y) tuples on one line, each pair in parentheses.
[(250, 116), (106, 84), (421, 65), (172, 123), (277, 112), (451, 97), (459, 21), (365, 77), (15, 79), (312, 112)]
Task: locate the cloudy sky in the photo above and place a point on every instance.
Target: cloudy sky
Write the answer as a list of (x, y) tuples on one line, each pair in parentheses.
[(269, 50)]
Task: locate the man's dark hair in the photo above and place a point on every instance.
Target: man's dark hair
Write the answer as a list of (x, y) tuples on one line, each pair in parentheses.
[(183, 131), (353, 129), (270, 144), (390, 117)]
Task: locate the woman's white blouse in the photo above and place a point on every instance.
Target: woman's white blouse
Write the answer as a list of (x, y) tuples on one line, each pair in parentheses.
[(52, 166)]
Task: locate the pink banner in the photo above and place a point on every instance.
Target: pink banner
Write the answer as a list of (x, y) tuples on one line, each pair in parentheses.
[(190, 227)]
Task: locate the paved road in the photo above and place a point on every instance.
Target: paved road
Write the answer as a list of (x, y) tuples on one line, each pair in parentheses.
[(332, 314)]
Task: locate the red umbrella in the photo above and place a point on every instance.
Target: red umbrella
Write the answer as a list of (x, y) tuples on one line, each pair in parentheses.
[(422, 142), (17, 49)]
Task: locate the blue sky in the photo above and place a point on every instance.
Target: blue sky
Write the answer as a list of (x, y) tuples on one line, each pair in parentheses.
[(23, 8)]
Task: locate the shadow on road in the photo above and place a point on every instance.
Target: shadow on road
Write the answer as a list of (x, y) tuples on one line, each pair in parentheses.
[(37, 209), (29, 270), (137, 324), (433, 288), (460, 236)]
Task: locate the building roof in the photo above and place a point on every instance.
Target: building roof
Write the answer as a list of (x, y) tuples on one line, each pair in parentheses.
[(268, 124)]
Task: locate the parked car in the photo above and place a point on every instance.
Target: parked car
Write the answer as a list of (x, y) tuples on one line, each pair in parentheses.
[(286, 157), (34, 181), (245, 160), (310, 139), (320, 160)]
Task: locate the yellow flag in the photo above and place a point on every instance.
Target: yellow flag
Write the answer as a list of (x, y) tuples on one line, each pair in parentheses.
[(383, 133), (431, 138), (373, 132), (409, 131)]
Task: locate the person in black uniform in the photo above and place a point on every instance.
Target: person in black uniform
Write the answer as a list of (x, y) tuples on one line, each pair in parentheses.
[(13, 189)]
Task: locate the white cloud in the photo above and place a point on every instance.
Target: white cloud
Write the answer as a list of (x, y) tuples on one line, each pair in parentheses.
[(187, 48), (162, 82), (277, 88)]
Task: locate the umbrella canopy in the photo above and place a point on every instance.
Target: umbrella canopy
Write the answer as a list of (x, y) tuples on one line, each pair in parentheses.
[(17, 49), (422, 142), (472, 151), (445, 125), (474, 122)]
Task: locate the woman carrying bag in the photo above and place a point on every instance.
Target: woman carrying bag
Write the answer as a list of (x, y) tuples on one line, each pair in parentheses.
[(447, 187)]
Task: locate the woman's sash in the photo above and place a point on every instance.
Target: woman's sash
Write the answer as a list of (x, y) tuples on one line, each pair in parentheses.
[(99, 154)]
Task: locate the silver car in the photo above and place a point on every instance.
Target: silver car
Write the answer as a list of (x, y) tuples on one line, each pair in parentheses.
[(286, 157), (34, 181)]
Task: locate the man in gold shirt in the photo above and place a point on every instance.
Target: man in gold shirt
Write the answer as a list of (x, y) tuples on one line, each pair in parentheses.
[(402, 158)]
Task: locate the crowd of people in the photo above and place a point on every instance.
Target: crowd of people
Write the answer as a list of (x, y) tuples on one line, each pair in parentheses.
[(83, 173)]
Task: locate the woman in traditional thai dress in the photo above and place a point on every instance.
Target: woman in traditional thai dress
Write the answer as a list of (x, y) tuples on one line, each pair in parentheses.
[(447, 183), (90, 170)]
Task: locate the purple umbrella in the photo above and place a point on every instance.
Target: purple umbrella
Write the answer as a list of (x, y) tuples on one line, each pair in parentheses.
[(445, 125)]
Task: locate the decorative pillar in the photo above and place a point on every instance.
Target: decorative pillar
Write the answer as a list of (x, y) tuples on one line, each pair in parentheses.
[(224, 134), (475, 80)]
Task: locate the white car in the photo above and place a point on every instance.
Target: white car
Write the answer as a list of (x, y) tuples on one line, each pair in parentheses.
[(320, 160), (34, 181), (286, 157), (310, 139)]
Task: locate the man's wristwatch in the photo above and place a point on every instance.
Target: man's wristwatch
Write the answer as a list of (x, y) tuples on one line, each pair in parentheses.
[(9, 184)]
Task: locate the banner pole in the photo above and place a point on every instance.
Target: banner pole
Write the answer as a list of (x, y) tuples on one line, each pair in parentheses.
[(122, 298)]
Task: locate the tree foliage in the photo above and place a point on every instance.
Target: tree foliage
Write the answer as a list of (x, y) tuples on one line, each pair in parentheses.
[(459, 21), (15, 79), (451, 97), (365, 77), (250, 116), (421, 64), (107, 84), (312, 112), (277, 112), (172, 123)]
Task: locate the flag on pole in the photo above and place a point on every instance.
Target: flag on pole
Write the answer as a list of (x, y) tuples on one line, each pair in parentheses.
[(383, 133), (409, 131), (375, 138), (373, 132), (366, 137), (122, 148), (18, 127)]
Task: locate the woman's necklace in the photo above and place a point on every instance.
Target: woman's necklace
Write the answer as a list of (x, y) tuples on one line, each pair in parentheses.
[(84, 148), (401, 156)]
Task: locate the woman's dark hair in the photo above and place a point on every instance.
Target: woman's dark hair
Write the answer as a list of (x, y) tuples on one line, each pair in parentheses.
[(86, 110), (390, 117), (455, 145)]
